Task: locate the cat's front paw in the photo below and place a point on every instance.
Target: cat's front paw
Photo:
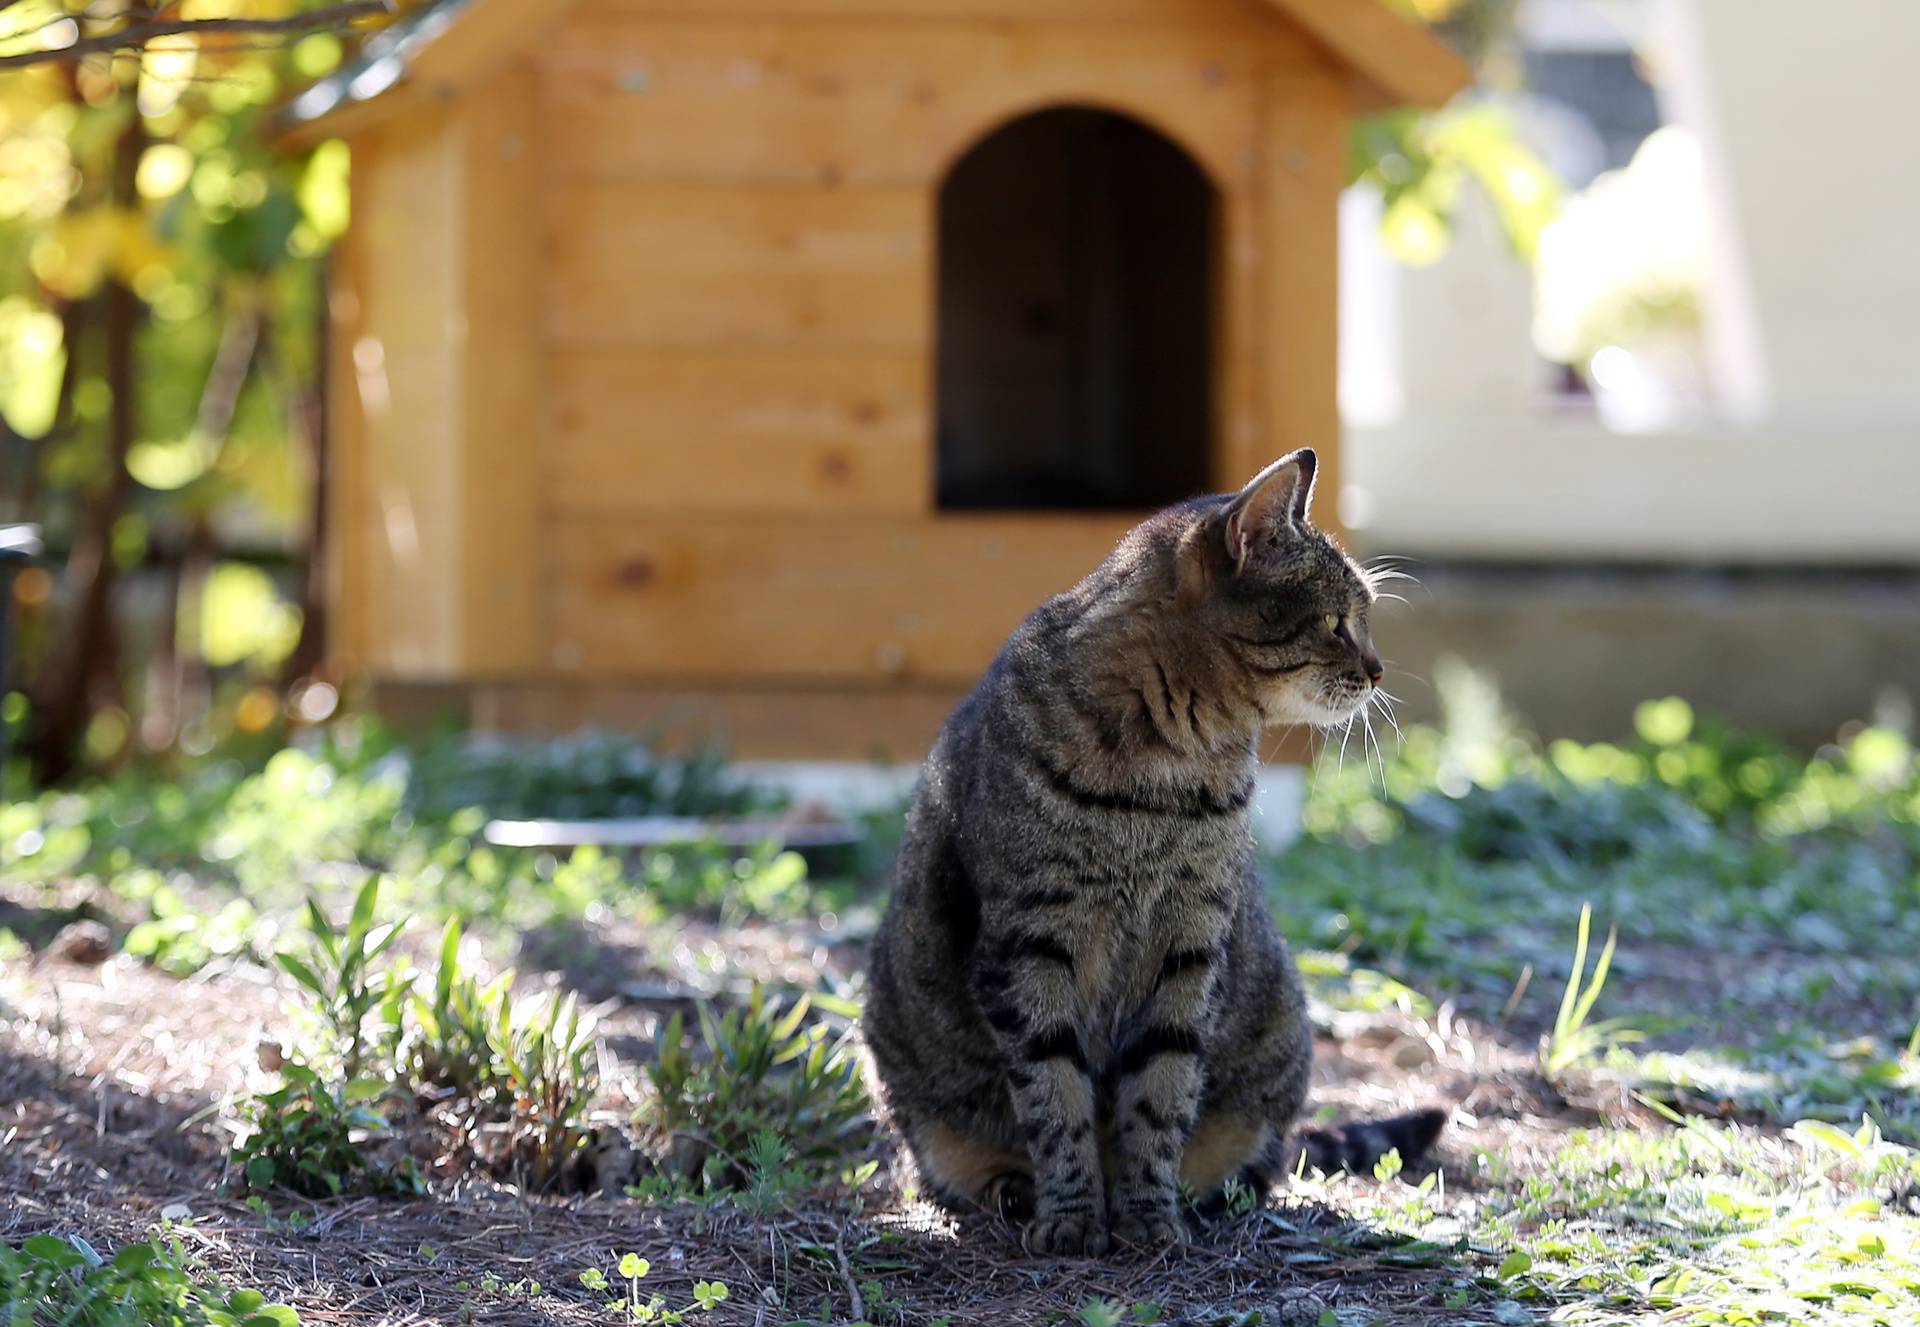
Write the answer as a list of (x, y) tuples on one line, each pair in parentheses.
[(1065, 1235), (1152, 1227)]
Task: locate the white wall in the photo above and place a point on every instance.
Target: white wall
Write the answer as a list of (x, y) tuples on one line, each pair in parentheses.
[(1810, 452), (1808, 114)]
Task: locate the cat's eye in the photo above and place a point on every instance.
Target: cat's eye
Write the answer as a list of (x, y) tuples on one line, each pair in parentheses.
[(1332, 621)]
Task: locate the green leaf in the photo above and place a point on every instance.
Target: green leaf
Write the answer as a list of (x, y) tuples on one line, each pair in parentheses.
[(449, 963), (787, 1026), (51, 1248), (1564, 1022), (134, 1257), (1818, 1133), (300, 972), (1515, 1263), (363, 905), (323, 929), (381, 937)]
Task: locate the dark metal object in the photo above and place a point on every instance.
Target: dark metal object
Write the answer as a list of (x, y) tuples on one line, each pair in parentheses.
[(19, 546)]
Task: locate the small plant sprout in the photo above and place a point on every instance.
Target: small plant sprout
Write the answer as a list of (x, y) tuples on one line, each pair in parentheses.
[(626, 1303), (447, 1047), (1388, 1167), (551, 1058), (1574, 1040), (317, 1138), (341, 978)]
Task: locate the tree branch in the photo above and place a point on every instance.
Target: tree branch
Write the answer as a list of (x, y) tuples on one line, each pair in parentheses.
[(136, 36)]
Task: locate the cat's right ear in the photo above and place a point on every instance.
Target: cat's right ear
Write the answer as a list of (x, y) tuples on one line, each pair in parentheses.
[(1273, 504)]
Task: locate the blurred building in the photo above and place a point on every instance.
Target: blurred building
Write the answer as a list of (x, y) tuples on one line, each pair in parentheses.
[(1681, 452)]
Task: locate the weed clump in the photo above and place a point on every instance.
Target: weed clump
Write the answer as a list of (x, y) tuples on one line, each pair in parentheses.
[(770, 1100), (152, 1283), (506, 1082)]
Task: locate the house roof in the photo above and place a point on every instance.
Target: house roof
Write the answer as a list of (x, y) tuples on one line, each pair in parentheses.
[(447, 45)]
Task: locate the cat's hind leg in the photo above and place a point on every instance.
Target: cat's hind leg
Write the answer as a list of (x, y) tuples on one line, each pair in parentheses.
[(961, 1171), (1221, 1148)]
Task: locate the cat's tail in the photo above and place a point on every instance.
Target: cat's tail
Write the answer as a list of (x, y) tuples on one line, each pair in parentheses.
[(1360, 1145)]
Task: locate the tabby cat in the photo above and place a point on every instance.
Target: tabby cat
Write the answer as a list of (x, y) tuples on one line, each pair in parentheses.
[(1078, 1003)]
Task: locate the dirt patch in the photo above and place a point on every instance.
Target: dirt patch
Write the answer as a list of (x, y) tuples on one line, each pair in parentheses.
[(118, 1078)]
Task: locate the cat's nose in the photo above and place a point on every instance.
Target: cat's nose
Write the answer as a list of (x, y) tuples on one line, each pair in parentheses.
[(1374, 671)]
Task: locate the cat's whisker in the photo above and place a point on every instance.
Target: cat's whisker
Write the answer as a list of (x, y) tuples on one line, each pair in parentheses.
[(1386, 708), (1380, 752)]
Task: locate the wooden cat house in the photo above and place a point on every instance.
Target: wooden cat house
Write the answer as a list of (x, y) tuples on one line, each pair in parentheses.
[(767, 360)]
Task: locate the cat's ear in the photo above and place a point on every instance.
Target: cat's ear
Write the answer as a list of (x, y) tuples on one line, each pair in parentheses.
[(1273, 503)]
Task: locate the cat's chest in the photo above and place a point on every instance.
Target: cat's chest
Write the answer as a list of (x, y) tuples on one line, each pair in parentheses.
[(1165, 900)]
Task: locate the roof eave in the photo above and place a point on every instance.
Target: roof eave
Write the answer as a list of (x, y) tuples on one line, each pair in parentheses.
[(1395, 61), (436, 52)]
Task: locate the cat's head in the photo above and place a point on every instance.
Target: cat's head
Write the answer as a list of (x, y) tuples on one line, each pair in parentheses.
[(1279, 600)]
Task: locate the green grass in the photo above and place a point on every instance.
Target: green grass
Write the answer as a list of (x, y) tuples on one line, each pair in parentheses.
[(198, 863), (1703, 1224), (1767, 907), (1762, 910), (65, 1282)]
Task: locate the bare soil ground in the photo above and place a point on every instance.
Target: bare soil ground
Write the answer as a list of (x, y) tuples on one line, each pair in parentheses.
[(116, 1082)]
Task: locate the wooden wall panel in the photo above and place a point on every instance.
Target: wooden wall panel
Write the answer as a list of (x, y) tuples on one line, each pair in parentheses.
[(1240, 426), (1305, 170), (497, 139), (806, 600), (690, 265), (829, 103), (403, 520), (738, 431), (864, 723), (348, 509)]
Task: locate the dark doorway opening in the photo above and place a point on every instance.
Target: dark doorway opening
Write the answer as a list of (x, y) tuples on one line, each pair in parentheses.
[(1075, 317)]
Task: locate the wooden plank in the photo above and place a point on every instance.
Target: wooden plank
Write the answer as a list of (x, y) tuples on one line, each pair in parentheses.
[(884, 724), (887, 724), (345, 570), (1305, 170), (497, 139), (1239, 429), (404, 373), (885, 103), (687, 265), (674, 431), (806, 600)]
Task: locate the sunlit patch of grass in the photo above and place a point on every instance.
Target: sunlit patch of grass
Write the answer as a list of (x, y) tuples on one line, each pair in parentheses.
[(1767, 902), (196, 862), (1706, 1224)]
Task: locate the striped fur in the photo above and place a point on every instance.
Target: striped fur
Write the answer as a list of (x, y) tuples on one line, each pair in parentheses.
[(1077, 1000)]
